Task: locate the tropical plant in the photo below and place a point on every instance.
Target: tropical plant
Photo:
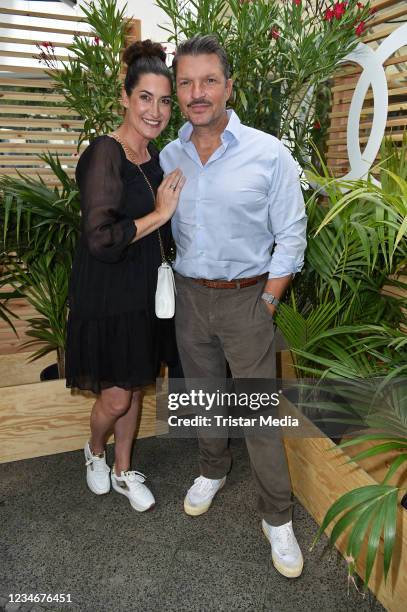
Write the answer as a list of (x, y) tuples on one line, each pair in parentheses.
[(356, 248), (281, 55), (41, 226), (44, 284), (90, 79)]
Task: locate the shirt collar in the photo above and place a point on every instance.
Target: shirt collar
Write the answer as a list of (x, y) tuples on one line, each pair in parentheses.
[(231, 132)]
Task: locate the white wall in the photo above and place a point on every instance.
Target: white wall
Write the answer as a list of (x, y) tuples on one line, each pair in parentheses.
[(145, 10), (151, 16)]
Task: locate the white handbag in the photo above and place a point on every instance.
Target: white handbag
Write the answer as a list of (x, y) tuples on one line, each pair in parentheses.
[(165, 292)]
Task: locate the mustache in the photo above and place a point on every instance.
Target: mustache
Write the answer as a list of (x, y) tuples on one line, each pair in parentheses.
[(199, 102)]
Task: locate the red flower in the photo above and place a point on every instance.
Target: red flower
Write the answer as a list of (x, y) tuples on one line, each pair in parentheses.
[(96, 40), (373, 10), (329, 15), (274, 33), (47, 45), (360, 28), (339, 9), (297, 2), (317, 125), (360, 5)]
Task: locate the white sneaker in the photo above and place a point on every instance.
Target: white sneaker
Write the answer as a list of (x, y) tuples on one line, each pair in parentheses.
[(131, 485), (199, 497), (97, 472), (285, 552)]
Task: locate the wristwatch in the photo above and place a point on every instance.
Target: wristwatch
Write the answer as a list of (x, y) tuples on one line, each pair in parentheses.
[(270, 299)]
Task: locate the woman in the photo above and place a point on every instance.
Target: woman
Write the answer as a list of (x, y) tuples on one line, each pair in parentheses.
[(115, 343)]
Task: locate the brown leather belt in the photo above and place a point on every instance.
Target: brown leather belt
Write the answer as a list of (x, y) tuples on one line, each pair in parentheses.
[(239, 283)]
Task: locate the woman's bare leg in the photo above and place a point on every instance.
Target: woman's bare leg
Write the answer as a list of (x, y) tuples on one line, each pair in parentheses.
[(110, 406), (124, 430)]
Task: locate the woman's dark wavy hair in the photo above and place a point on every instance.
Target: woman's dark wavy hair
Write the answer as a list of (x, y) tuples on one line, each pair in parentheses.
[(144, 57)]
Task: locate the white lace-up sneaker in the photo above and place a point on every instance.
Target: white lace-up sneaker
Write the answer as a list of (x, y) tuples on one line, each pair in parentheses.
[(200, 496), (97, 472), (131, 484), (285, 552)]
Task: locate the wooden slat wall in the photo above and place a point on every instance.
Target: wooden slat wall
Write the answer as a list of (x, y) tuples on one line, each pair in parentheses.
[(390, 15), (29, 108), (33, 119)]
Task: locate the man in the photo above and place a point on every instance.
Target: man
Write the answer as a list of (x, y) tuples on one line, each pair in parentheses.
[(242, 196)]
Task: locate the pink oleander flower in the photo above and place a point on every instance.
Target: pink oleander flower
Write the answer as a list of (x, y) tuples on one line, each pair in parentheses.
[(360, 6), (329, 15), (47, 45), (360, 28), (297, 2), (339, 9), (274, 33)]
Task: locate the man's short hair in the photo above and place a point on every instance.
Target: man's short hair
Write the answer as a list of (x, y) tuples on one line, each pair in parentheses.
[(199, 45)]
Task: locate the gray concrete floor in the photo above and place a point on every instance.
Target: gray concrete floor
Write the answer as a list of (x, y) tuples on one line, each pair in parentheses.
[(57, 537)]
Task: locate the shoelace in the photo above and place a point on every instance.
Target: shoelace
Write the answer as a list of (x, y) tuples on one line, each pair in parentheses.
[(203, 484), (284, 538), (99, 464), (134, 476)]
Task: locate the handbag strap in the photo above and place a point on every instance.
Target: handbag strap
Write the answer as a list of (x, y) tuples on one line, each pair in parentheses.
[(131, 156)]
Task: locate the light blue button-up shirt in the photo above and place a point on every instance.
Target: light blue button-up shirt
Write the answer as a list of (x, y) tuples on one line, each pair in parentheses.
[(242, 213)]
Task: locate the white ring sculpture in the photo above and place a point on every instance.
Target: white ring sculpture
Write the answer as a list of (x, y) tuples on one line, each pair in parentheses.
[(373, 73)]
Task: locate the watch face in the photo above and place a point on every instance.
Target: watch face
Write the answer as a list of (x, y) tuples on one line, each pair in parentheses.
[(270, 299)]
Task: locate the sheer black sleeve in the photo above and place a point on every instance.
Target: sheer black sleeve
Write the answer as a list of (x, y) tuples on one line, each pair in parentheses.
[(107, 231)]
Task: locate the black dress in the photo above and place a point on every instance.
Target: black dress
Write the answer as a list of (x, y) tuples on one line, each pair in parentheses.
[(113, 335)]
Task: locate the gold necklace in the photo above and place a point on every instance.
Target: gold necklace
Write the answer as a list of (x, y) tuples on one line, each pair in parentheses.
[(130, 153)]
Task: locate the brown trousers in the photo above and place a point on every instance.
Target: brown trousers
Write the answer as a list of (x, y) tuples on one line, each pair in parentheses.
[(214, 324)]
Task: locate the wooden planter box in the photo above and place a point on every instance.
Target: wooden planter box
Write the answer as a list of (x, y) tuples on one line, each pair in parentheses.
[(45, 418)]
